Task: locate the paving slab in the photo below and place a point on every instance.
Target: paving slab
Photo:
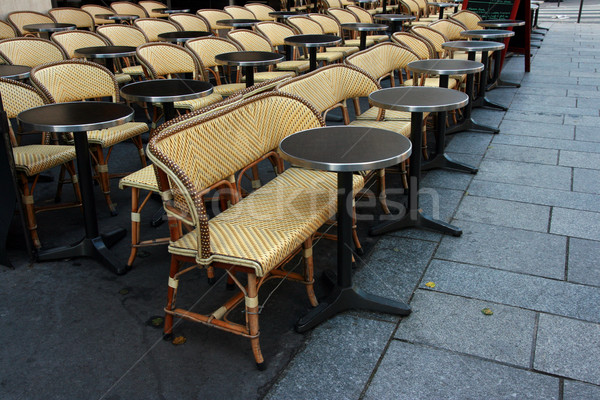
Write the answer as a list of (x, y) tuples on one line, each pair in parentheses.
[(410, 371), (524, 106), (504, 213), (447, 179), (583, 92), (587, 133), (506, 248), (586, 180), (583, 261), (574, 390), (548, 143), (526, 174), (469, 142), (515, 289), (535, 116), (588, 103), (558, 131), (580, 119), (337, 361), (568, 348), (522, 153), (457, 324), (575, 223), (578, 159)]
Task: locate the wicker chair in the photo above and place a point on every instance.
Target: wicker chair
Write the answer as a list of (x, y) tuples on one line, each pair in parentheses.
[(127, 7), (332, 27), (7, 31), (75, 80), (125, 35), (31, 160), (151, 5), (190, 22), (365, 16), (468, 18), (252, 41), (436, 38), (261, 246), (307, 26), (70, 41), (419, 45), (152, 27), (212, 16), (239, 12), (330, 87), (18, 19), (76, 16), (450, 29), (30, 51), (94, 10), (164, 60), (261, 11)]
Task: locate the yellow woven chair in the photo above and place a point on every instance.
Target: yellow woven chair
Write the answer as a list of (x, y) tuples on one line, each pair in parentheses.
[(239, 12), (70, 15), (261, 246), (450, 29), (95, 10), (7, 31), (70, 41), (468, 18), (425, 14), (419, 45), (212, 16), (436, 38), (261, 11), (190, 22), (327, 4), (127, 7), (75, 80), (331, 26), (30, 51), (151, 5), (344, 16), (253, 41), (18, 19), (125, 35), (307, 26), (165, 60), (366, 16), (331, 87), (152, 27), (34, 159)]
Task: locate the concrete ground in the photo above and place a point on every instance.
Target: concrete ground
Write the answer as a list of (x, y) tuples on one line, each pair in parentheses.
[(529, 253)]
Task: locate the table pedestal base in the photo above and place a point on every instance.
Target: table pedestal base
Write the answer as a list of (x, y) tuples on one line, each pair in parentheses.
[(469, 124), (96, 248), (499, 83), (418, 220), (350, 298), (445, 162), (485, 102)]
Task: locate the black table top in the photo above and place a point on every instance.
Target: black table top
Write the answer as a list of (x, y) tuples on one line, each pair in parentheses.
[(285, 13), (418, 99), (166, 90), (363, 26), (14, 71), (118, 17), (364, 1), (76, 116), (345, 148), (182, 36), (106, 51), (487, 33), (170, 11), (500, 23), (395, 17), (49, 27), (312, 40), (238, 22), (446, 66), (472, 45), (248, 58)]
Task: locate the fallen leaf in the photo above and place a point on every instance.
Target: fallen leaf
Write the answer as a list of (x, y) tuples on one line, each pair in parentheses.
[(430, 284), (487, 311), (123, 291), (157, 321), (396, 249), (179, 340)]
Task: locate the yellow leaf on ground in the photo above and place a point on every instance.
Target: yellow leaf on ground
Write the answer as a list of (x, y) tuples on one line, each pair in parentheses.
[(487, 311), (430, 284), (179, 340)]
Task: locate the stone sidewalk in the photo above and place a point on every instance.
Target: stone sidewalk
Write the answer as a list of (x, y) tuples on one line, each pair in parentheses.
[(529, 252)]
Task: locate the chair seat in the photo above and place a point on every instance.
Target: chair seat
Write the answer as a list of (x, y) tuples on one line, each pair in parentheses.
[(329, 56), (390, 115), (401, 127), (111, 136), (345, 50), (228, 89), (294, 65), (257, 232), (432, 81), (196, 104), (268, 75), (36, 158), (122, 78), (133, 70), (308, 178), (464, 56), (144, 178), (356, 42), (378, 38)]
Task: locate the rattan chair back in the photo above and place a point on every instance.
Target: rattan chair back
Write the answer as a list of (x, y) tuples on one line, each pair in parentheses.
[(420, 46), (151, 5), (329, 24), (127, 7), (18, 19), (239, 12), (30, 51), (152, 27), (18, 96), (332, 4), (249, 40), (448, 28), (123, 35), (305, 25), (74, 80), (468, 18), (361, 14), (94, 10), (7, 31), (190, 22), (162, 60), (70, 41), (212, 16), (75, 16), (206, 48), (276, 32), (342, 15), (261, 11), (434, 37), (381, 60)]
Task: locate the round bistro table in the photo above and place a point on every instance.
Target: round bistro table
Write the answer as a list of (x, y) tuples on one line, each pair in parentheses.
[(109, 53), (119, 18), (15, 72), (363, 28), (395, 19), (444, 68), (248, 60), (239, 23), (344, 150), (182, 36), (80, 117), (312, 42), (441, 7), (417, 100), (281, 16), (48, 28)]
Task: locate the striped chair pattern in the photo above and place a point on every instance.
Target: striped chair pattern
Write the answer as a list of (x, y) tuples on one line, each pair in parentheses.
[(70, 15)]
